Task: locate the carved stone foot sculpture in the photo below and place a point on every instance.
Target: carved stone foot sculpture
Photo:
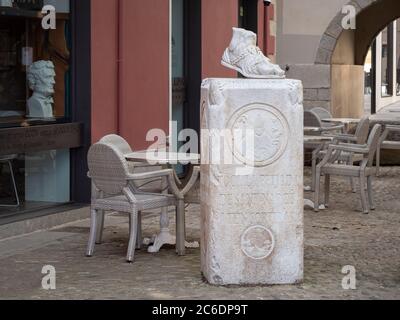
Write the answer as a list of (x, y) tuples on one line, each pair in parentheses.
[(245, 57)]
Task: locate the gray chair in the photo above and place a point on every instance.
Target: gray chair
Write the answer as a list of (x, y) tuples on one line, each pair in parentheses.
[(311, 119), (112, 179), (360, 137), (322, 114), (364, 172), (147, 185), (385, 144), (8, 160)]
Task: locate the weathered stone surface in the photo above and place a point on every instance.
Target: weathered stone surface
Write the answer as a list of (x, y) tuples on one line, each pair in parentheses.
[(328, 42), (252, 216), (323, 56), (312, 76)]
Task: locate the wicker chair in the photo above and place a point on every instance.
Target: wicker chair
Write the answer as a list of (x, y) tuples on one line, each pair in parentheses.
[(385, 144), (111, 178), (360, 137), (364, 172), (146, 185)]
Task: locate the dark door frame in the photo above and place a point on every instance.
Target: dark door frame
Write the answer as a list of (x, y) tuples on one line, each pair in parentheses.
[(81, 96), (249, 20), (373, 79), (193, 63)]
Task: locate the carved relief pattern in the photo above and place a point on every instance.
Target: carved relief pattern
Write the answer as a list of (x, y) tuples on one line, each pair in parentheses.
[(257, 242), (271, 133)]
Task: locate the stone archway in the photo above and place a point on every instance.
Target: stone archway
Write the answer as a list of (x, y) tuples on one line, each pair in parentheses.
[(345, 51)]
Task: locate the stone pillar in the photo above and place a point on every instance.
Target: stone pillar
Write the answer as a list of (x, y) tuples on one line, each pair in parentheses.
[(252, 202)]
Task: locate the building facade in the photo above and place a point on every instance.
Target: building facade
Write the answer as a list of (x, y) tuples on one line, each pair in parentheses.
[(333, 60), (117, 66)]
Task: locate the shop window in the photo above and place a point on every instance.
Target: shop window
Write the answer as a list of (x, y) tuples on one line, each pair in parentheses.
[(34, 64), (387, 62), (34, 90)]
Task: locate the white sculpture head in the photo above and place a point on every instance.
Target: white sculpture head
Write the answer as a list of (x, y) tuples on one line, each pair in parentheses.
[(41, 78)]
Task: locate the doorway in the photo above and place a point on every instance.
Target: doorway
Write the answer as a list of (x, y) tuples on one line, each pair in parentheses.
[(186, 67)]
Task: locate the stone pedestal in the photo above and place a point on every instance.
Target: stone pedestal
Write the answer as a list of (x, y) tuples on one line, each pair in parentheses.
[(252, 198)]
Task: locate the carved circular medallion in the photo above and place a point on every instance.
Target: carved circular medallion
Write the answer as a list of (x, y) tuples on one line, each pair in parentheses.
[(260, 135), (257, 242)]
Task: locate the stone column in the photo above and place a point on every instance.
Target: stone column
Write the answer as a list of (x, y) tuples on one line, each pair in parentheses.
[(252, 201)]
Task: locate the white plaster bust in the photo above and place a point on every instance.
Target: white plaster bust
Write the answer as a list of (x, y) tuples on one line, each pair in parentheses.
[(41, 80), (245, 57)]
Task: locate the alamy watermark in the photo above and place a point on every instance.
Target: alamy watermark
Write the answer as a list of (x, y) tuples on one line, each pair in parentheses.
[(349, 21), (49, 20), (49, 279), (349, 281)]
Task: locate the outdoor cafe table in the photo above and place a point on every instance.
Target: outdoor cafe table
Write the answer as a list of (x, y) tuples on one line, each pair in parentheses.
[(347, 122), (167, 160)]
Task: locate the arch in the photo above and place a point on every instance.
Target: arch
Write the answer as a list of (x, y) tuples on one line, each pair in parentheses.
[(372, 17)]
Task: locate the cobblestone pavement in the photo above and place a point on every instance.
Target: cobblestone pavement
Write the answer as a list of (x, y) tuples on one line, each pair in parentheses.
[(335, 238)]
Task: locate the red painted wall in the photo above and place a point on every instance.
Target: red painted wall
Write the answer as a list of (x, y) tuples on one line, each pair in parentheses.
[(218, 18), (261, 24), (104, 68), (144, 102), (132, 96)]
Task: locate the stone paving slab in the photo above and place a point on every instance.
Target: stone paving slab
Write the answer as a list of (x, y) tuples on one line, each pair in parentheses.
[(334, 238)]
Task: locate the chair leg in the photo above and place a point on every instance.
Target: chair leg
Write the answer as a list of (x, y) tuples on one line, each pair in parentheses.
[(132, 236), (327, 187), (370, 193), (378, 161), (317, 188), (180, 228), (139, 239), (100, 227), (364, 200), (92, 236), (313, 168)]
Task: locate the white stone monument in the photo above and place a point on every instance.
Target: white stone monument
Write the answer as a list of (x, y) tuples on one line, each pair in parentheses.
[(41, 79), (252, 198)]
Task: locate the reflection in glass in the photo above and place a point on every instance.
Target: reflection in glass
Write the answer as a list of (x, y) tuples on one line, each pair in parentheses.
[(23, 42), (41, 179)]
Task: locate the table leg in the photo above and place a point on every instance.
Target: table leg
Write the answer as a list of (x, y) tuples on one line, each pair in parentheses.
[(165, 236)]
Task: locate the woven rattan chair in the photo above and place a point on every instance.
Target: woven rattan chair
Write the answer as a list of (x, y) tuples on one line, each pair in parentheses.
[(364, 172), (146, 185), (112, 179), (360, 137), (385, 144)]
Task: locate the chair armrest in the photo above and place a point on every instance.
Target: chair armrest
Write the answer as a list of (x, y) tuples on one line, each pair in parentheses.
[(151, 175), (392, 128), (332, 128), (168, 173), (349, 147), (344, 137)]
